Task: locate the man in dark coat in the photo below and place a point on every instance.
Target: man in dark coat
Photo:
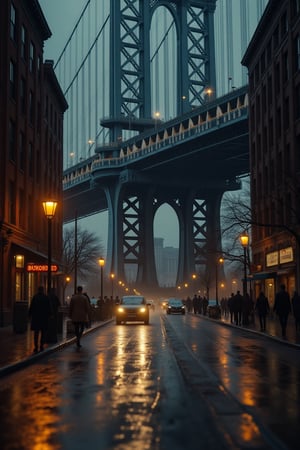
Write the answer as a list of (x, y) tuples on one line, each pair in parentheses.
[(39, 312), (237, 307), (262, 307), (282, 307)]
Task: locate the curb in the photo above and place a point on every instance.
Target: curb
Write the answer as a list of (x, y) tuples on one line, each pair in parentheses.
[(14, 367), (250, 330)]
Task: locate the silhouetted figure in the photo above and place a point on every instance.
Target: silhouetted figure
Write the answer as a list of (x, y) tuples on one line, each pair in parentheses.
[(296, 309), (195, 304), (79, 312), (39, 312), (237, 306), (282, 307), (262, 307), (204, 305)]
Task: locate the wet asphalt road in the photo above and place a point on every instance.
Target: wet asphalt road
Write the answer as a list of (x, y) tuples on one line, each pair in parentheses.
[(183, 382)]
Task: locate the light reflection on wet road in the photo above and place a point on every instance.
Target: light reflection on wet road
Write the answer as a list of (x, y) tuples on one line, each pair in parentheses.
[(261, 374), (123, 390)]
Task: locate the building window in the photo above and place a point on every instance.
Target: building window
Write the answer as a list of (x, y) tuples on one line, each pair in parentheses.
[(278, 124), (23, 95), (21, 208), (12, 140), (297, 102), (12, 203), (277, 79), (286, 114), (46, 107), (297, 53), (23, 42), (12, 80), (30, 159), (31, 107), (13, 28), (22, 151), (285, 67), (31, 56), (39, 119)]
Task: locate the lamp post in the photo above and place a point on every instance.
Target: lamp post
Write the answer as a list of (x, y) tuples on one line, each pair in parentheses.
[(112, 277), (219, 261), (101, 264), (49, 210), (194, 277), (66, 282), (244, 239)]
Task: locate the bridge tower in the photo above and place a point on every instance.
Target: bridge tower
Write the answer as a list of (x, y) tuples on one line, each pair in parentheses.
[(130, 88), (133, 201)]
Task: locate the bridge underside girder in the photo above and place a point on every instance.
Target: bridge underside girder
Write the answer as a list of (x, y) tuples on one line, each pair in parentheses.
[(132, 207)]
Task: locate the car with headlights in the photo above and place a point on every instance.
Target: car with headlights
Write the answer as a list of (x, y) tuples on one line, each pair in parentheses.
[(132, 308), (175, 306), (213, 309)]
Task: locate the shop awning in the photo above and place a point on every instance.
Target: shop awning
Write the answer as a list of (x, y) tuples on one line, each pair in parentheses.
[(263, 275)]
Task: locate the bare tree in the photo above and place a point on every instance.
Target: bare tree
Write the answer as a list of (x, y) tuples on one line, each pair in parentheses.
[(236, 218), (89, 249)]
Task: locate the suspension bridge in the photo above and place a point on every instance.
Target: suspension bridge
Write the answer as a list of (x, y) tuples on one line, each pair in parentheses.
[(145, 128)]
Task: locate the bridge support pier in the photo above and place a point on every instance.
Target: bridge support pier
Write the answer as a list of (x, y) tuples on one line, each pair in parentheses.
[(131, 253)]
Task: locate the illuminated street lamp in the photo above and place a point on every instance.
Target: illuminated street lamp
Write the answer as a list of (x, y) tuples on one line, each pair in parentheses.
[(244, 239), (208, 94), (112, 277), (49, 210), (219, 261), (67, 281), (101, 264)]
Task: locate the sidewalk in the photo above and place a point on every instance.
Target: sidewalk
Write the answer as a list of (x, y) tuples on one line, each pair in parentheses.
[(16, 350), (273, 329)]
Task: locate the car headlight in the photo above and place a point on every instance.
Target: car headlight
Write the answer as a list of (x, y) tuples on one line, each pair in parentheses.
[(142, 310), (120, 310)]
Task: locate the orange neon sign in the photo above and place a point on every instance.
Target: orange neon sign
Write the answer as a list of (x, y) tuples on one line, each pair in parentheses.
[(31, 267)]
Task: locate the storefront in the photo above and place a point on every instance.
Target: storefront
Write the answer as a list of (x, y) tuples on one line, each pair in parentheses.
[(281, 269)]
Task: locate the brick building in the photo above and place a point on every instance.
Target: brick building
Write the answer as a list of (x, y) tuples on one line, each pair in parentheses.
[(31, 135), (273, 62)]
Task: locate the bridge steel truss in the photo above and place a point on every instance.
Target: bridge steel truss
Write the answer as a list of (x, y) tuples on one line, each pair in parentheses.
[(132, 205), (130, 89), (188, 163)]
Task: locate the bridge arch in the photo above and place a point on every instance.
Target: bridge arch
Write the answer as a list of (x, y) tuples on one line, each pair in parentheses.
[(130, 90)]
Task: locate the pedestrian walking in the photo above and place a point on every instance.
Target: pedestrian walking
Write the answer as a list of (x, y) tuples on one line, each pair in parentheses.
[(237, 306), (79, 312), (296, 309), (39, 312), (262, 307), (282, 307), (195, 304)]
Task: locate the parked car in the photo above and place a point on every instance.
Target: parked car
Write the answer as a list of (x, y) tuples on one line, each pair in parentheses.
[(132, 308), (214, 309), (175, 306)]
